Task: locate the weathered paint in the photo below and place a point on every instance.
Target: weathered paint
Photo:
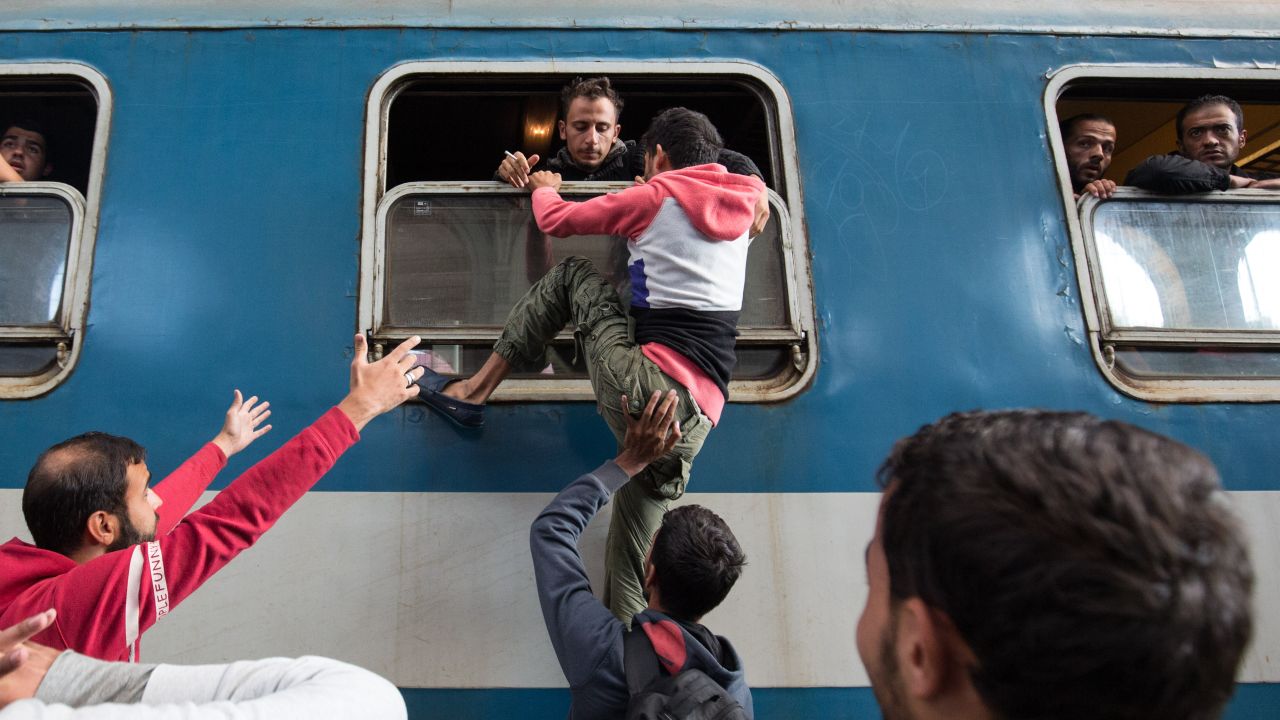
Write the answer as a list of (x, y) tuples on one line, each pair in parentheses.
[(1182, 18)]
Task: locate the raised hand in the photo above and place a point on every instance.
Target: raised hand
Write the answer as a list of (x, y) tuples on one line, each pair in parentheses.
[(23, 665), (240, 428), (380, 386)]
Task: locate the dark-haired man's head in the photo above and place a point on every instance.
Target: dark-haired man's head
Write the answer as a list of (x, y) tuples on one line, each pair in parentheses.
[(1089, 140), (683, 137), (1052, 565), (591, 110), (1211, 130), (23, 146), (694, 562), (89, 495)]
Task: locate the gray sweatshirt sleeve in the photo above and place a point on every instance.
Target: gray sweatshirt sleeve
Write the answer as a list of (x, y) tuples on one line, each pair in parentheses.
[(308, 688), (77, 680), (1177, 175), (582, 629)]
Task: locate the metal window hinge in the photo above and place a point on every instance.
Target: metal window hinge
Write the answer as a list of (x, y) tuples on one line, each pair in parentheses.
[(800, 358)]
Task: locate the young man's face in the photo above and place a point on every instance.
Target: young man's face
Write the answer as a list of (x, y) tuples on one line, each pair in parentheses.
[(589, 130), (1210, 135), (24, 150), (1089, 150), (139, 525), (877, 632)]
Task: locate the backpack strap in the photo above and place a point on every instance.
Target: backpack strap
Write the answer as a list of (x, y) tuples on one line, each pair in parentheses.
[(639, 660)]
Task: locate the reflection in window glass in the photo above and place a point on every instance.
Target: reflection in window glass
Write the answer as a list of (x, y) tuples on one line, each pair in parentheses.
[(1258, 271), (1131, 295), (35, 233), (455, 261), (1197, 260)]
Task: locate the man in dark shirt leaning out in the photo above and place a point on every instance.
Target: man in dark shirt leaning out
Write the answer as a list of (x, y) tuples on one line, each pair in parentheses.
[(1211, 135), (694, 562)]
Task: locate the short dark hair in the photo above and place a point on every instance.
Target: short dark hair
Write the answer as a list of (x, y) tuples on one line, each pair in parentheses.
[(74, 479), (1068, 126), (591, 89), (696, 560), (1095, 569), (1205, 100), (686, 136), (30, 124)]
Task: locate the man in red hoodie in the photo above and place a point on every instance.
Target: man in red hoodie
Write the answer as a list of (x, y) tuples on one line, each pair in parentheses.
[(687, 224), (113, 557)]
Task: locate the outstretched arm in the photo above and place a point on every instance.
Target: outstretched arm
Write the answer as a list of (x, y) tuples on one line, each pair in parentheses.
[(580, 626), (8, 174), (180, 490), (626, 213), (106, 603)]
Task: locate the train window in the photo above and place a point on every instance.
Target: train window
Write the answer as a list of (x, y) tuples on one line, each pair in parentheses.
[(48, 219), (447, 252), (1181, 300)]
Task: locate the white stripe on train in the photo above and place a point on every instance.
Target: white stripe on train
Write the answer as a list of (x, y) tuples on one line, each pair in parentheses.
[(436, 589)]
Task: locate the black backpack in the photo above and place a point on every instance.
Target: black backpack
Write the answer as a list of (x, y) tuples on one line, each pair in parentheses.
[(690, 695)]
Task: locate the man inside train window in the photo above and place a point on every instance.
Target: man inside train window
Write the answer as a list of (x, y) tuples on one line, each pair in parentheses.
[(1089, 140), (25, 152), (694, 563), (1211, 135), (112, 556), (1052, 565), (688, 227), (593, 150)]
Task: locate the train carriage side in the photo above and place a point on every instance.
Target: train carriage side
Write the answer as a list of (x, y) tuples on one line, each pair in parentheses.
[(232, 223)]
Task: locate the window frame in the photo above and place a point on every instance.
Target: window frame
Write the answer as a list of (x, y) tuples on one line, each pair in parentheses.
[(789, 212), (74, 305), (1102, 338)]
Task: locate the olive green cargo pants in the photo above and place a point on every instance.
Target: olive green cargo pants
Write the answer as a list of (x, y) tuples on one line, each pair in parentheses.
[(573, 291)]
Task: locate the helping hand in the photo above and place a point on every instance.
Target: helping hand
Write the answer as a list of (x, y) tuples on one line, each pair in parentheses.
[(652, 436), (380, 386)]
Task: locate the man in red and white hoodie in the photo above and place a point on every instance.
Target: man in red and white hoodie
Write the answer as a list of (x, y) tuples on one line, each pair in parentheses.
[(688, 225), (113, 556)]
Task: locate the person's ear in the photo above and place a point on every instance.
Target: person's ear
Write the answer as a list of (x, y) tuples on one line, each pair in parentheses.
[(102, 528), (1242, 136), (661, 161), (925, 654), (48, 167), (560, 124)]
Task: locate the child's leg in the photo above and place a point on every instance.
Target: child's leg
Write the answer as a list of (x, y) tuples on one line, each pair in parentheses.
[(639, 505), (571, 291)]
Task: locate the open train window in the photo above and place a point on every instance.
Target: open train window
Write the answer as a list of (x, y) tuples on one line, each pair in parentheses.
[(1180, 290), (54, 139), (446, 251)]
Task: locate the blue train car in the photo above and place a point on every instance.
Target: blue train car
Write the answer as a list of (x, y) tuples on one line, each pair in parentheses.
[(239, 188)]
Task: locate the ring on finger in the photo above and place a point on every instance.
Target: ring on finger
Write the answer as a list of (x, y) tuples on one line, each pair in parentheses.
[(408, 376)]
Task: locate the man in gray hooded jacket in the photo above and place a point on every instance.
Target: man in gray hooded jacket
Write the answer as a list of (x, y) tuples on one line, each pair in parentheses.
[(694, 562)]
